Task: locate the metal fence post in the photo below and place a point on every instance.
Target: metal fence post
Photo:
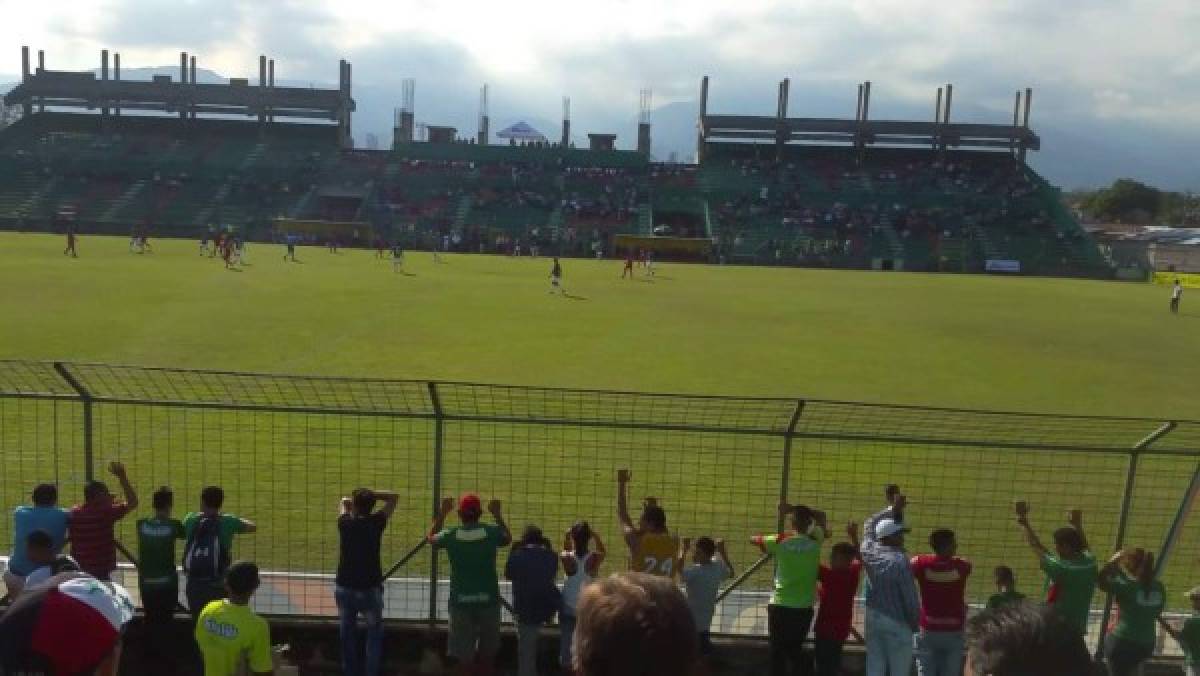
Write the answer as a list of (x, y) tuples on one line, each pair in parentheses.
[(788, 436), (1123, 520), (89, 461), (438, 429)]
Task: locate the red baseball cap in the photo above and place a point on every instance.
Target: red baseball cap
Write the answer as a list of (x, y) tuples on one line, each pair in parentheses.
[(470, 503)]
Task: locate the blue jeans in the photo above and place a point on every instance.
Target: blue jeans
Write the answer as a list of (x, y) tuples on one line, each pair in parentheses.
[(889, 645), (369, 603), (940, 653), (566, 628)]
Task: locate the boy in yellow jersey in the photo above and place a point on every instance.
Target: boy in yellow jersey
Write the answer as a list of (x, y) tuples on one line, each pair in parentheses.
[(652, 549), (232, 639)]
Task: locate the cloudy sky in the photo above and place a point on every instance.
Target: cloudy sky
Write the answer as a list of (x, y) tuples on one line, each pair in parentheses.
[(1125, 69)]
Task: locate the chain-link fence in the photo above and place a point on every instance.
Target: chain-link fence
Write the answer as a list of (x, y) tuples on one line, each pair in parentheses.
[(286, 448)]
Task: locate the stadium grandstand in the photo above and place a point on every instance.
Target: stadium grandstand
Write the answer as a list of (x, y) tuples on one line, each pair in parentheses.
[(177, 159)]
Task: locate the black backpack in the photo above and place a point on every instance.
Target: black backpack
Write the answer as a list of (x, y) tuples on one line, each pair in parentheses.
[(204, 558)]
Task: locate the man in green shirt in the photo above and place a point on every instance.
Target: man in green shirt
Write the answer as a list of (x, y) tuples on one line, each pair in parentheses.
[(157, 580), (1189, 636), (1070, 572), (209, 585), (797, 555), (474, 585)]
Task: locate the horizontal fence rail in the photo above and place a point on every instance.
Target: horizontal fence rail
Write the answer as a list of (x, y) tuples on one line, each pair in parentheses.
[(287, 448)]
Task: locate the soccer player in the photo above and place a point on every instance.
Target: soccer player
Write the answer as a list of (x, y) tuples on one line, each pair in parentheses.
[(556, 278), (628, 265), (134, 239), (838, 583), (1006, 588), (231, 637), (702, 580), (798, 560), (90, 525), (398, 257), (71, 244), (1071, 569), (217, 240), (942, 578), (144, 241), (239, 249), (227, 251), (291, 248), (1189, 636), (204, 240), (1176, 296), (649, 263), (380, 247), (652, 548), (474, 587)]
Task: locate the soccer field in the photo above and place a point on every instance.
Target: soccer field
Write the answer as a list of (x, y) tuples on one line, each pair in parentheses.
[(965, 341), (969, 341)]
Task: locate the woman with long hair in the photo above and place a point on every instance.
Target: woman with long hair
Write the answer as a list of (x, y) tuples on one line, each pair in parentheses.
[(1140, 600), (583, 552)]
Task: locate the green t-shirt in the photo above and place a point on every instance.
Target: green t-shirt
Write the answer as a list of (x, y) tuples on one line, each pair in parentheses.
[(472, 552), (1004, 599), (1139, 609), (797, 562), (233, 639), (156, 551), (228, 526), (1189, 639), (1070, 586)]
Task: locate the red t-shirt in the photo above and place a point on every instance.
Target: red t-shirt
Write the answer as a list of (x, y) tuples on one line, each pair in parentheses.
[(93, 543), (943, 583), (835, 614)]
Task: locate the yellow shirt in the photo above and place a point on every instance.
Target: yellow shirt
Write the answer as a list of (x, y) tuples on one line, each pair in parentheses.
[(655, 554), (229, 636)]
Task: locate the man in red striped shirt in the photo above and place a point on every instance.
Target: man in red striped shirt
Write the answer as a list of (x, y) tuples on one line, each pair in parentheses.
[(942, 578), (90, 525)]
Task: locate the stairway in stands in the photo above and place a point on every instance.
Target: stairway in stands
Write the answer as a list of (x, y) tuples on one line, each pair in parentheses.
[(462, 212), (645, 219), (131, 193)]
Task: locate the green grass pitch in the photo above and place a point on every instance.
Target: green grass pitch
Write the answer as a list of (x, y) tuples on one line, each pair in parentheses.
[(964, 341)]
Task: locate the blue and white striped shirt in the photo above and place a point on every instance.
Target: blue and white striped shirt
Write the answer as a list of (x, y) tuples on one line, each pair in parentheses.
[(893, 591)]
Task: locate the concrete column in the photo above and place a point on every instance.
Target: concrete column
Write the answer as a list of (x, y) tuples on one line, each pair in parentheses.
[(24, 64), (183, 80), (41, 67), (1012, 141), (937, 117), (949, 100), (1025, 124), (117, 78), (192, 88), (262, 88), (700, 134), (271, 87), (104, 78), (349, 133)]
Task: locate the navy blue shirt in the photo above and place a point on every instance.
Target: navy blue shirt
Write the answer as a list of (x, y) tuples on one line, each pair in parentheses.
[(533, 570)]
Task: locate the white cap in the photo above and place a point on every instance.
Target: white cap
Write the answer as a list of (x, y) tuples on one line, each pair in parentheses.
[(886, 527)]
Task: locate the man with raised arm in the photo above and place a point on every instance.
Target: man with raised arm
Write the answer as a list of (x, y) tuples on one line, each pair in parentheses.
[(358, 586), (893, 613), (1071, 570), (474, 586), (652, 548), (90, 525), (797, 553)]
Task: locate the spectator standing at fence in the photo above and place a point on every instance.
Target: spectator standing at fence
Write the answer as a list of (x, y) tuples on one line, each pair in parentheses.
[(358, 586), (942, 579), (1071, 570), (838, 583), (91, 525), (1140, 602), (797, 555), (44, 515), (1006, 588), (158, 581), (72, 624), (1025, 639), (46, 563), (702, 580), (209, 548), (652, 548), (893, 614), (231, 637), (532, 567), (1188, 636), (634, 624), (474, 603), (581, 564)]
